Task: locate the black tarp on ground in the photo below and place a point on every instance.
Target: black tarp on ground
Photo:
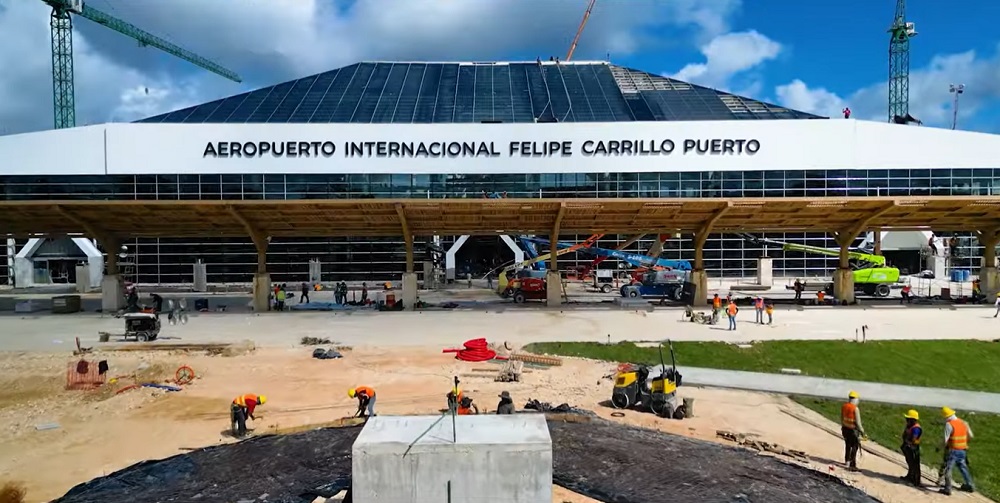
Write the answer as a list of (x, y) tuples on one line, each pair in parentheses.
[(621, 464), (604, 460), (286, 468)]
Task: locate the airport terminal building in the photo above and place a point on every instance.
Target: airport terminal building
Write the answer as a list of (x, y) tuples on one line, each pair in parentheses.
[(468, 130)]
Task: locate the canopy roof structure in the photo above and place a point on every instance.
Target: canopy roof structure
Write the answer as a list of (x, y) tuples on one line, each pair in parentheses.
[(384, 217)]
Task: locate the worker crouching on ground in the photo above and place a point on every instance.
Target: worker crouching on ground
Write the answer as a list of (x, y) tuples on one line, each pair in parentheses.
[(852, 430), (506, 405), (242, 408), (911, 447), (466, 407), (366, 401), (956, 440)]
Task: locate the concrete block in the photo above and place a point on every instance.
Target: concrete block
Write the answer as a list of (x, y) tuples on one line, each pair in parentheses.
[(82, 278), (261, 291), (409, 290), (508, 455), (553, 286), (843, 285), (112, 293), (200, 283), (989, 282), (765, 271)]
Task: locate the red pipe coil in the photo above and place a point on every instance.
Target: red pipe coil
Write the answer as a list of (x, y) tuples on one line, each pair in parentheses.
[(476, 350)]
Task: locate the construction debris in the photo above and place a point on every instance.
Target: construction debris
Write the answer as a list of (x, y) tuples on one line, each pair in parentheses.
[(761, 446), (315, 341), (212, 348), (510, 371)]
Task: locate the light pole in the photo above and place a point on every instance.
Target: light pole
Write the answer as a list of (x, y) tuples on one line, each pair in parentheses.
[(957, 90)]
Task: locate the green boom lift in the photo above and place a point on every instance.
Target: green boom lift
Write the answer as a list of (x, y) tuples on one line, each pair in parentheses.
[(62, 52), (872, 276)]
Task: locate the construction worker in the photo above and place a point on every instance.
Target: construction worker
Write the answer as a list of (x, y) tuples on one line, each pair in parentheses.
[(770, 313), (242, 408), (905, 294), (957, 434), (366, 400), (758, 307), (852, 430), (506, 405), (466, 407), (997, 304), (731, 310), (911, 447), (820, 297), (716, 304)]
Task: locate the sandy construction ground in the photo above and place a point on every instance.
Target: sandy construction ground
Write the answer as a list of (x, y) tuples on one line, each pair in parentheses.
[(100, 431)]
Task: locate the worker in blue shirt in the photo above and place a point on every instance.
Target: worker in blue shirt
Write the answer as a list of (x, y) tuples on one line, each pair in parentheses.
[(911, 447)]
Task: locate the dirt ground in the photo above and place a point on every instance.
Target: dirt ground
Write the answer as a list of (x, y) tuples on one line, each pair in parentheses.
[(99, 432)]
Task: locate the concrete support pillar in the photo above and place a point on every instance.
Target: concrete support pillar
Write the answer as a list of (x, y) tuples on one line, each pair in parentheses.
[(429, 279), (518, 252), (409, 290), (699, 288), (200, 282), (11, 253), (843, 285), (261, 291), (553, 288), (315, 271), (765, 271), (112, 292), (843, 278), (989, 281)]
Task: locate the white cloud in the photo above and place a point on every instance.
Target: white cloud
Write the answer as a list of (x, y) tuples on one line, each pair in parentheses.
[(269, 41), (728, 56), (930, 100)]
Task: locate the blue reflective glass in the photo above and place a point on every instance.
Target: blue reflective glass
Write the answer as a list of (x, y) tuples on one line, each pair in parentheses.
[(326, 108), (315, 95), (268, 106), (427, 99), (292, 100), (348, 104), (372, 94), (409, 94)]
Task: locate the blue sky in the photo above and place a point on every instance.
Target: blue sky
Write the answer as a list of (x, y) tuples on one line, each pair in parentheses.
[(814, 56)]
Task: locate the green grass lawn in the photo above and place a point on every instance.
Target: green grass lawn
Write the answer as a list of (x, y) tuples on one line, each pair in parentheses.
[(884, 425), (970, 365)]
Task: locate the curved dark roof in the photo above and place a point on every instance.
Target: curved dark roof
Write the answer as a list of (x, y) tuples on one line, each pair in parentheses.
[(393, 92)]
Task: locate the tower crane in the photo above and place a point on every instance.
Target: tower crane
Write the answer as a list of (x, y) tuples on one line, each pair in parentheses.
[(579, 31), (900, 32), (61, 24)]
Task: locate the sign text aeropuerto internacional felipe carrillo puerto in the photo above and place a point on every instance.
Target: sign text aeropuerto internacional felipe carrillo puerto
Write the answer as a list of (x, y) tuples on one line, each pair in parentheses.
[(457, 149)]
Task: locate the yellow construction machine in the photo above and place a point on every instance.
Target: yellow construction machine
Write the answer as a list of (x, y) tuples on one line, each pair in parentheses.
[(649, 387)]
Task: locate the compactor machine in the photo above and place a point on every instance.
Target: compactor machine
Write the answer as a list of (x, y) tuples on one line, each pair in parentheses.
[(649, 387)]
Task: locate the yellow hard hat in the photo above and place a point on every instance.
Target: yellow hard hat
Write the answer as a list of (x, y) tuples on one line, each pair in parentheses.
[(351, 393), (947, 412), (912, 414), (261, 399), (853, 394)]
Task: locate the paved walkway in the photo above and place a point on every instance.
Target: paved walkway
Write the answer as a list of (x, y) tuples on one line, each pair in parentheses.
[(838, 389)]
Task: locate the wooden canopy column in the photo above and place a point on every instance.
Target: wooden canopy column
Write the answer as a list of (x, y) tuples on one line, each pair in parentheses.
[(259, 237), (846, 236), (989, 239), (407, 236), (701, 236), (554, 238)]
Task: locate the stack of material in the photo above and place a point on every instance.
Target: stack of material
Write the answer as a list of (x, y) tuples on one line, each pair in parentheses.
[(510, 372), (758, 445), (537, 359)]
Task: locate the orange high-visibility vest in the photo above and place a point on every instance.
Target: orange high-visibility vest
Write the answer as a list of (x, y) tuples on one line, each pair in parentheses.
[(242, 399), (366, 390), (820, 295), (759, 303), (959, 439), (731, 309), (716, 302), (847, 415), (464, 411)]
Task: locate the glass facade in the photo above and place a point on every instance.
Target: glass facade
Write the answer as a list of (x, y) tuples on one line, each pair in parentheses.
[(734, 184), (234, 260), (387, 92)]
